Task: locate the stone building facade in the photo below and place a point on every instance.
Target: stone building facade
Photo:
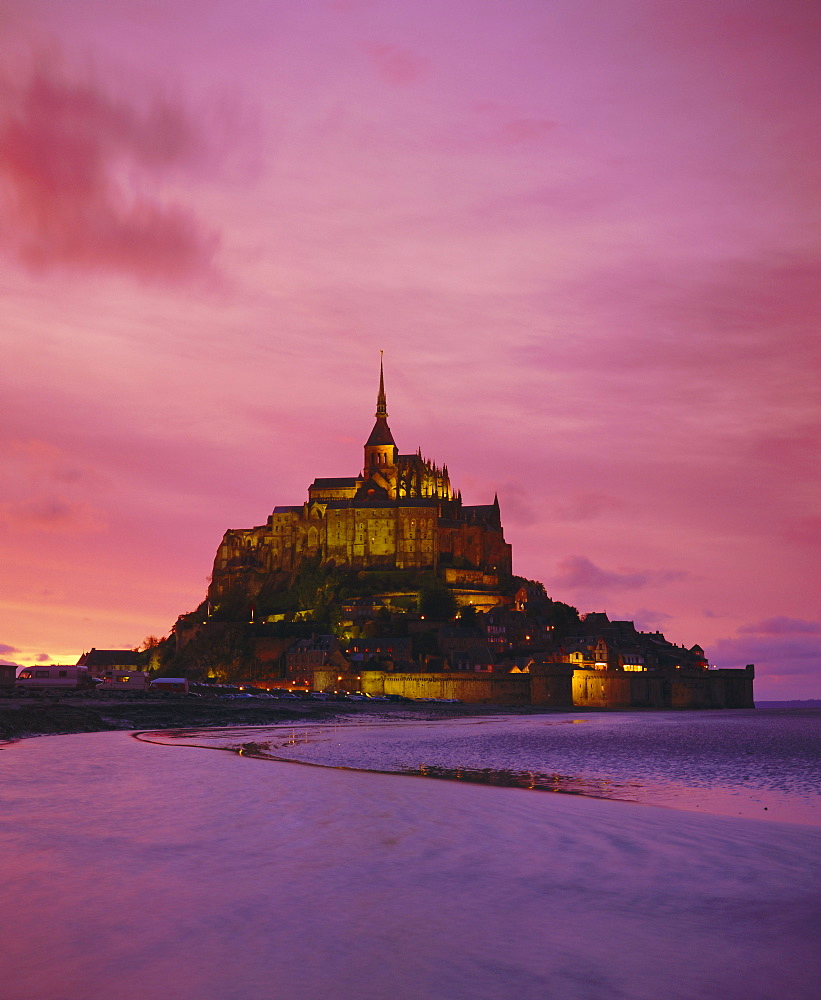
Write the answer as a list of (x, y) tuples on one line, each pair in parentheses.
[(399, 513)]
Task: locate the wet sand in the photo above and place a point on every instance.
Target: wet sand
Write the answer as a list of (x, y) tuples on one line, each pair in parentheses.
[(132, 870), (20, 718)]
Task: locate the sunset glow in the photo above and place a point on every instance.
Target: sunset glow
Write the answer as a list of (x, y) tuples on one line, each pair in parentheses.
[(585, 236)]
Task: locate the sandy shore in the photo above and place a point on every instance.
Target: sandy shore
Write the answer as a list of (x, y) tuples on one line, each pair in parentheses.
[(132, 870), (20, 718)]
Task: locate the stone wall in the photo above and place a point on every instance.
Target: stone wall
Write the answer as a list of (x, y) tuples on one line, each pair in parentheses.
[(559, 686), (602, 689), (551, 685), (649, 689), (472, 689)]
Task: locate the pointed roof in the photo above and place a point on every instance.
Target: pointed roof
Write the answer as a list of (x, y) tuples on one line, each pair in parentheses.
[(381, 402), (381, 433)]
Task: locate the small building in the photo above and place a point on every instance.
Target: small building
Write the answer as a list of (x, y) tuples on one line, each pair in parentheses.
[(475, 659), (632, 661), (172, 685), (388, 647), (8, 675), (587, 654), (99, 660), (318, 652)]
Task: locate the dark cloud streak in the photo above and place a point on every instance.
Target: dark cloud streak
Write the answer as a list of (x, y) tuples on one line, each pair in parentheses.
[(580, 574), (80, 171)]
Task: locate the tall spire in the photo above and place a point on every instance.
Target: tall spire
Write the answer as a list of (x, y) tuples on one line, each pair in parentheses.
[(380, 448), (381, 403)]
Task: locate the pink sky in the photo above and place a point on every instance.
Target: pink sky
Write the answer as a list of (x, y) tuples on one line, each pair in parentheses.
[(584, 234)]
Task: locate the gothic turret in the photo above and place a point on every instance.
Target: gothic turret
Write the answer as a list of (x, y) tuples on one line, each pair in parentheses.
[(380, 448)]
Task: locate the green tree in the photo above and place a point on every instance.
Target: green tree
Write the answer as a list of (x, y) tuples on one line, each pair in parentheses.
[(561, 616), (436, 602)]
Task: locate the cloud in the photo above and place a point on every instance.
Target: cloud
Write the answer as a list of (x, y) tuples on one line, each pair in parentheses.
[(741, 329), (526, 130), (396, 65), (778, 646), (586, 506), (647, 620), (348, 5), (771, 655), (44, 464), (517, 505), (8, 663), (579, 573), (803, 531), (42, 658), (52, 513), (8, 649), (46, 488), (80, 171), (781, 625)]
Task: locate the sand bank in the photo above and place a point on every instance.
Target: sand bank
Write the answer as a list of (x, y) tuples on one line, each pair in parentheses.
[(132, 870)]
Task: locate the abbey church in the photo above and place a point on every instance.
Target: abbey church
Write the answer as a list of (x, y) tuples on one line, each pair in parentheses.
[(399, 513), (415, 595)]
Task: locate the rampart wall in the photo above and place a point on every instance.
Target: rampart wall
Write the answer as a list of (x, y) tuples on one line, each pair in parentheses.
[(560, 686), (472, 689)]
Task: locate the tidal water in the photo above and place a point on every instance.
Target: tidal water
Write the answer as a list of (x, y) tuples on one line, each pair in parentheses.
[(130, 869), (763, 764)]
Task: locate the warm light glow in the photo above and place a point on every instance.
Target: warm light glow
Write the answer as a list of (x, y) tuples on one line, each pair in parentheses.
[(115, 247)]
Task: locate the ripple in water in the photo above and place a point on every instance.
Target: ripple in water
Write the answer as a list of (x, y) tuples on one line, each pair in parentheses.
[(764, 763)]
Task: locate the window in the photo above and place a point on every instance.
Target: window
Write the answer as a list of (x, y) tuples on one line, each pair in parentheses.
[(41, 673), (62, 673)]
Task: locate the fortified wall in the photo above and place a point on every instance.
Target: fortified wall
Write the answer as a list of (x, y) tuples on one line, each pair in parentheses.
[(558, 686), (647, 689)]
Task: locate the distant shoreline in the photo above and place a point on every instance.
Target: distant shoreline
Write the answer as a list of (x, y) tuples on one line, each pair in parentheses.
[(794, 703), (21, 719)]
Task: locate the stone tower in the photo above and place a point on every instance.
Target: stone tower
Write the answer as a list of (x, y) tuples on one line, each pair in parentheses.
[(380, 448)]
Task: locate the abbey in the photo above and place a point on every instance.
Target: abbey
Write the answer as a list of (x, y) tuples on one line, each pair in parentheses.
[(386, 583), (399, 513)]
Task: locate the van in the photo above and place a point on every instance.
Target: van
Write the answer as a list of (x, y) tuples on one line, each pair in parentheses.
[(54, 677), (125, 680)]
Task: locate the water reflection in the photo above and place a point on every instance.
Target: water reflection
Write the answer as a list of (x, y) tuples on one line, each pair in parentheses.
[(760, 764), (533, 780), (503, 777)]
